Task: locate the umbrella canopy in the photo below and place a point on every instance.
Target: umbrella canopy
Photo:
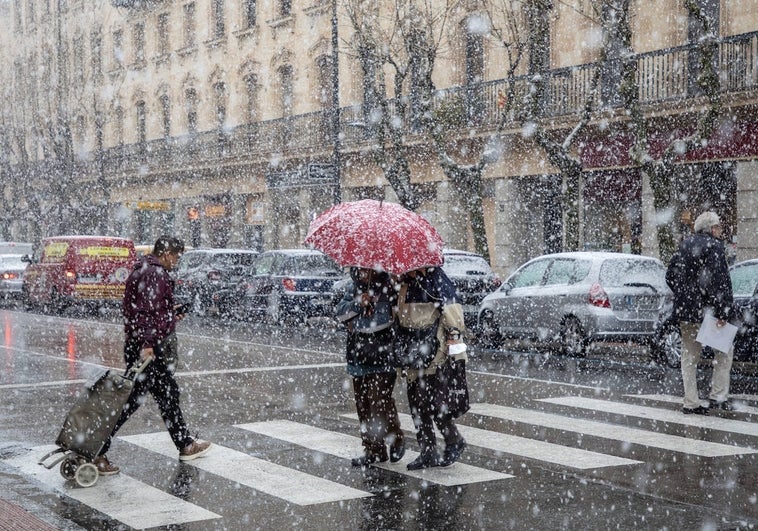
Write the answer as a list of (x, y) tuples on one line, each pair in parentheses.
[(376, 235)]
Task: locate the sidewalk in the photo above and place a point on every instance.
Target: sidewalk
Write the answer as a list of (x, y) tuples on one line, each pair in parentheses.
[(15, 518)]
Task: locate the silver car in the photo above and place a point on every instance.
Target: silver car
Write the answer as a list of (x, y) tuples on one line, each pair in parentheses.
[(12, 269), (577, 298)]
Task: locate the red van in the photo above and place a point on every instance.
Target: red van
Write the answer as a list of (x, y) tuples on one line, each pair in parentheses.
[(66, 270)]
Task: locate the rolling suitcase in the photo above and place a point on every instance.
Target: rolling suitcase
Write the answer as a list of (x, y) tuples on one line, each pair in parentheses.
[(90, 422)]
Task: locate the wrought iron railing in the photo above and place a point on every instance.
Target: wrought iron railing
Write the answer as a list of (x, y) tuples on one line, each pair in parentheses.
[(663, 76)]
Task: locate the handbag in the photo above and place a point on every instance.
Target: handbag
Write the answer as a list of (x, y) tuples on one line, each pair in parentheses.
[(452, 396), (415, 348)]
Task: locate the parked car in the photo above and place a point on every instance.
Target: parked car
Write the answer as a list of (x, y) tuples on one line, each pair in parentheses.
[(577, 298), (201, 272), (744, 277), (11, 275), (284, 285), (67, 270), (16, 248), (473, 278)]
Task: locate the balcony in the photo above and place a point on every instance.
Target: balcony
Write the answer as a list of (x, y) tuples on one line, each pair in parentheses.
[(663, 76)]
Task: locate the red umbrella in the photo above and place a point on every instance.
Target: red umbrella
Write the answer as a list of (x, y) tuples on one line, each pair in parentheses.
[(376, 235)]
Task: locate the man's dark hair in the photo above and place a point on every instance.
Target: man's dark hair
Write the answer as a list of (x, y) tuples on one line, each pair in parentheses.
[(168, 244)]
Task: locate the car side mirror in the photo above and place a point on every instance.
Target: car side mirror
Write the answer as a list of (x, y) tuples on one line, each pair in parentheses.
[(506, 288), (26, 258)]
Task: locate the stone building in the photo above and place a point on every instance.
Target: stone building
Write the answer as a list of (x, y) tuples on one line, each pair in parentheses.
[(227, 123)]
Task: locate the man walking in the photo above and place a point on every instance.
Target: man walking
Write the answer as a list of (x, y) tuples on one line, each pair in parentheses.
[(149, 323), (699, 277)]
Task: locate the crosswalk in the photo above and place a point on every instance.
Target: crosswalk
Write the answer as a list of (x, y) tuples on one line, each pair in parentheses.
[(629, 421)]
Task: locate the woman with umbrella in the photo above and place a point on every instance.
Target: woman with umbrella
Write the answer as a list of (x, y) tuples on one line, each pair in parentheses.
[(427, 302), (367, 312)]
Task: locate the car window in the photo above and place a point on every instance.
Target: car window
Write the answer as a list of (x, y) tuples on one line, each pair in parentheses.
[(460, 265), (625, 272), (317, 265), (530, 274), (265, 264), (744, 279), (12, 261), (561, 272), (189, 261)]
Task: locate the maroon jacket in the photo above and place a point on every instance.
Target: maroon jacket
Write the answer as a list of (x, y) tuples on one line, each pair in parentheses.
[(148, 306)]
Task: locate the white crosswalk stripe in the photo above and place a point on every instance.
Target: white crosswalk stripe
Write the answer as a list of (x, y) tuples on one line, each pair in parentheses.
[(534, 448), (144, 507), (614, 432), (671, 399), (276, 480), (665, 415), (347, 446)]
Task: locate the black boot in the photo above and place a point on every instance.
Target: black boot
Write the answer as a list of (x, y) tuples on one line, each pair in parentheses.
[(426, 459), (369, 458), (453, 452)]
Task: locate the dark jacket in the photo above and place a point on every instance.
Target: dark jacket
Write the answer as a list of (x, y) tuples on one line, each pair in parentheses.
[(148, 305), (370, 331), (699, 277)]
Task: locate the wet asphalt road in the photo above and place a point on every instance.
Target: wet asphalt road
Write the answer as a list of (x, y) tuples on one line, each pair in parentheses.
[(554, 443)]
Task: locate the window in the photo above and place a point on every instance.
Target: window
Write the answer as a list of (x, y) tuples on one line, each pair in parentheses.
[(189, 24), (118, 126), (285, 8), (561, 272), (30, 13), (78, 46), (219, 92), (163, 34), (324, 88), (190, 97), (529, 275), (118, 52), (166, 115), (251, 105), (141, 123), (248, 13), (217, 16), (285, 84), (17, 16), (96, 57), (139, 43)]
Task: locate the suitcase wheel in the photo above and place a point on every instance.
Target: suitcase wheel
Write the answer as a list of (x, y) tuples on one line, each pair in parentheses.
[(68, 467), (86, 475)]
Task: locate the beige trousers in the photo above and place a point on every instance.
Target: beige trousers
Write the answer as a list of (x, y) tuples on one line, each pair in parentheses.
[(722, 366)]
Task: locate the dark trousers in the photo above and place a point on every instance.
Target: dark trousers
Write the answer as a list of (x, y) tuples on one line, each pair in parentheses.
[(377, 412), (423, 400), (158, 380)]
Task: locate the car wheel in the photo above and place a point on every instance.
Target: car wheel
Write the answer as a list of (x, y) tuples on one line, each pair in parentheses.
[(573, 338), (488, 332), (667, 346)]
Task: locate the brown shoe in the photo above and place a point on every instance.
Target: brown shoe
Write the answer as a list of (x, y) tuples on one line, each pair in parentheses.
[(195, 449), (104, 467)]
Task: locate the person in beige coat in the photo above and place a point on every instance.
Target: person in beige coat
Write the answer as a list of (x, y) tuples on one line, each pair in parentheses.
[(427, 298)]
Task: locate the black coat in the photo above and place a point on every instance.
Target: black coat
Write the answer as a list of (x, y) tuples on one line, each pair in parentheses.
[(699, 277)]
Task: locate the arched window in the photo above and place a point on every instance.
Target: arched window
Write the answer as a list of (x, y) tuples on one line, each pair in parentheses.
[(219, 95), (251, 101), (190, 106), (286, 90), (166, 114)]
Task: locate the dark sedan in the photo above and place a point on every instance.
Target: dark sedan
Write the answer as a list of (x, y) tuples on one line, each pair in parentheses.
[(473, 278), (284, 285), (744, 277), (201, 272)]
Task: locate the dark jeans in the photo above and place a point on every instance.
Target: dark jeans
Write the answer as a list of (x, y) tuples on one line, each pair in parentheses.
[(157, 379), (424, 402), (377, 412)]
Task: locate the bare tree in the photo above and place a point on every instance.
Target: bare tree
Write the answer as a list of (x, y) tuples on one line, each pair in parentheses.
[(660, 170)]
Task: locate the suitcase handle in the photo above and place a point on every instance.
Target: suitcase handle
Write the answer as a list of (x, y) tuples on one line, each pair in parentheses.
[(133, 372)]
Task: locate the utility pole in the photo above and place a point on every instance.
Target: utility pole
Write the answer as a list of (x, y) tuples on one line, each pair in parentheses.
[(336, 142)]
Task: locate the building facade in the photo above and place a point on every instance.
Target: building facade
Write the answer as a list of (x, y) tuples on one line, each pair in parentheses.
[(232, 123)]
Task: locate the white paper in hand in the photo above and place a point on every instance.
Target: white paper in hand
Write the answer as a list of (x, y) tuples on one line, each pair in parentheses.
[(714, 336)]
